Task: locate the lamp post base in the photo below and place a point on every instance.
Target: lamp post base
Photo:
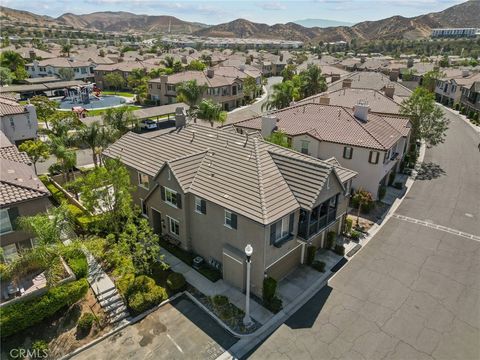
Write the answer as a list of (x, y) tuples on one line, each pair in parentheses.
[(247, 321)]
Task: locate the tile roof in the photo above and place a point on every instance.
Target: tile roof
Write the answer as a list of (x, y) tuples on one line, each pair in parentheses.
[(249, 176), (377, 101), (10, 107), (63, 62), (126, 66), (338, 125), (18, 181)]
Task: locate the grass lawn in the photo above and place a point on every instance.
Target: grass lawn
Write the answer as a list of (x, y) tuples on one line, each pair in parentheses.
[(95, 112), (119, 93)]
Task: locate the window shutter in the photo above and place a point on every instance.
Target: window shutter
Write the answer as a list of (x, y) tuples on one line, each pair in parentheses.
[(13, 215), (345, 152), (179, 201), (234, 221), (203, 206), (272, 233), (290, 224), (162, 192)]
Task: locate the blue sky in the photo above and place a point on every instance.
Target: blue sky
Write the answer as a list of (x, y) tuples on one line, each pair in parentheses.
[(270, 12)]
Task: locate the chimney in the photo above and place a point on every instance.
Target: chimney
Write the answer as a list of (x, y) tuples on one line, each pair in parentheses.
[(242, 67), (347, 83), (210, 73), (31, 54), (269, 123), (180, 117), (335, 77), (360, 110), (465, 73), (324, 100), (410, 62), (184, 59), (394, 74), (163, 79), (389, 90), (281, 57)]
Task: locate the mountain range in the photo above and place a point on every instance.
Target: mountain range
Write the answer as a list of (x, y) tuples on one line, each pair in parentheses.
[(395, 27), (321, 23)]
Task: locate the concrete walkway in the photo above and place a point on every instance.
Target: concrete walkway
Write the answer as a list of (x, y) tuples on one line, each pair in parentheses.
[(209, 288)]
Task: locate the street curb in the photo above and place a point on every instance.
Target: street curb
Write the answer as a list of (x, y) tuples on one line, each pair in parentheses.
[(463, 117), (121, 327)]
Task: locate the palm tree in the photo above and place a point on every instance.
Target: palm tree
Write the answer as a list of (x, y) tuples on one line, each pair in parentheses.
[(283, 94), (91, 136), (66, 48), (362, 198), (313, 82), (190, 93), (11, 60), (66, 157), (168, 61), (212, 112)]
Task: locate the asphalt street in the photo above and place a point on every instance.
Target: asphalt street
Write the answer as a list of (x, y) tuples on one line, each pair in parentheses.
[(413, 292)]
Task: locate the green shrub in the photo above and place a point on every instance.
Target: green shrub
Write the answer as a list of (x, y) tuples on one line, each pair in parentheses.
[(340, 250), (21, 315), (382, 191), (85, 323), (40, 349), (331, 238), (355, 235), (219, 300), (311, 251), (275, 305), (144, 294), (319, 265), (456, 106), (176, 282), (269, 289), (348, 225), (124, 282), (77, 261)]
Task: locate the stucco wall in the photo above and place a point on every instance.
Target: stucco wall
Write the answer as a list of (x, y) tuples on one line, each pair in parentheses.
[(25, 126)]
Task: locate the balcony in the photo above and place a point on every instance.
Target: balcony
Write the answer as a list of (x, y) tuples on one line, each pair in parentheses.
[(311, 227)]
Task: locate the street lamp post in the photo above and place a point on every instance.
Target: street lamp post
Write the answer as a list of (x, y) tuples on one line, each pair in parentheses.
[(247, 321)]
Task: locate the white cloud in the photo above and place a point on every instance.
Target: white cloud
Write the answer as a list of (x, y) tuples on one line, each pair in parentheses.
[(273, 5)]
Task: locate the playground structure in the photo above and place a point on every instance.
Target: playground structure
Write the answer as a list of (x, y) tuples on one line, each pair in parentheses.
[(82, 94)]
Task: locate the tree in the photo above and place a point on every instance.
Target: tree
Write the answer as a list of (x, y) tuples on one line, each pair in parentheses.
[(66, 48), (196, 65), (36, 150), (212, 112), (444, 62), (119, 119), (362, 198), (190, 93), (283, 94), (11, 60), (250, 87), (430, 78), (312, 81), (279, 138), (138, 81), (427, 119), (177, 67), (6, 76), (92, 137), (106, 190), (288, 72), (66, 157), (168, 61), (114, 80), (44, 107), (66, 74), (206, 59)]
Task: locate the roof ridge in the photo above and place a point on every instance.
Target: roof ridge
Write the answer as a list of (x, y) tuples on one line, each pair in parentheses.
[(260, 178), (199, 166)]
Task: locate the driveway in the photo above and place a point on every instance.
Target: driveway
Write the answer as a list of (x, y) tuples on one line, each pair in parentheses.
[(179, 330), (414, 291)]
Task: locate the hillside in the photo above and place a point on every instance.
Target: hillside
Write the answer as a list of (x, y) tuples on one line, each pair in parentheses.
[(24, 17), (321, 23)]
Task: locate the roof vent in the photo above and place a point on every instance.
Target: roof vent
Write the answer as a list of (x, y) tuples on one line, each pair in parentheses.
[(360, 110)]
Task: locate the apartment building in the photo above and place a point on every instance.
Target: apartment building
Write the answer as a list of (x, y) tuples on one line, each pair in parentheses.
[(213, 192), (225, 85), (21, 194), (83, 70), (123, 68), (448, 90), (372, 144), (17, 122), (470, 99)]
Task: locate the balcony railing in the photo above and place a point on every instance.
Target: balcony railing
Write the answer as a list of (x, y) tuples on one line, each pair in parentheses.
[(316, 226)]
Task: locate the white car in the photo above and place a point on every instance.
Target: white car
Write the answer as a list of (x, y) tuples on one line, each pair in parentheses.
[(148, 124)]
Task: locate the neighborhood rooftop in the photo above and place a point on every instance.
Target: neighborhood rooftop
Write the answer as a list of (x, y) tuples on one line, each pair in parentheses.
[(247, 175)]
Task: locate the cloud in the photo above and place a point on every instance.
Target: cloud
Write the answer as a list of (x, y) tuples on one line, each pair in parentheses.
[(273, 5)]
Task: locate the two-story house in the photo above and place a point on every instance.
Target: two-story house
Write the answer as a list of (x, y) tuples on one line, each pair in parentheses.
[(471, 99), (82, 70), (372, 144), (124, 69), (21, 194), (17, 122), (224, 85), (448, 89), (214, 191)]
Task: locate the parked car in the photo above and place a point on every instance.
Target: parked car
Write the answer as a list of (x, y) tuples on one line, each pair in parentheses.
[(148, 124)]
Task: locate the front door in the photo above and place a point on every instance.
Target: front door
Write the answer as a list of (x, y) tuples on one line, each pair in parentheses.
[(156, 222)]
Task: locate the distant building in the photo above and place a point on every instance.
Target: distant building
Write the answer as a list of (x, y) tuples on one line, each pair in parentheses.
[(17, 122), (455, 32), (82, 70)]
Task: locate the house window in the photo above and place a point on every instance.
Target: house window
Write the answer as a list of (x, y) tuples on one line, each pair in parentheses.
[(173, 226), (159, 86), (144, 208), (143, 180), (347, 152), (304, 148), (230, 219), (5, 224), (200, 205), (170, 87), (9, 252), (171, 197), (281, 229), (149, 86), (347, 187), (373, 157)]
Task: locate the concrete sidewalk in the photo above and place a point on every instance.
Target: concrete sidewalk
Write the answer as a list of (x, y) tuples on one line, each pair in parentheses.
[(209, 288)]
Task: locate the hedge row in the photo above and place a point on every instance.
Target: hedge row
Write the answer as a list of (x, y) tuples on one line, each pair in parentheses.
[(77, 261), (21, 315)]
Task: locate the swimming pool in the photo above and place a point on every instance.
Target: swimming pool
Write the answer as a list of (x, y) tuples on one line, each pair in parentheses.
[(95, 103)]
